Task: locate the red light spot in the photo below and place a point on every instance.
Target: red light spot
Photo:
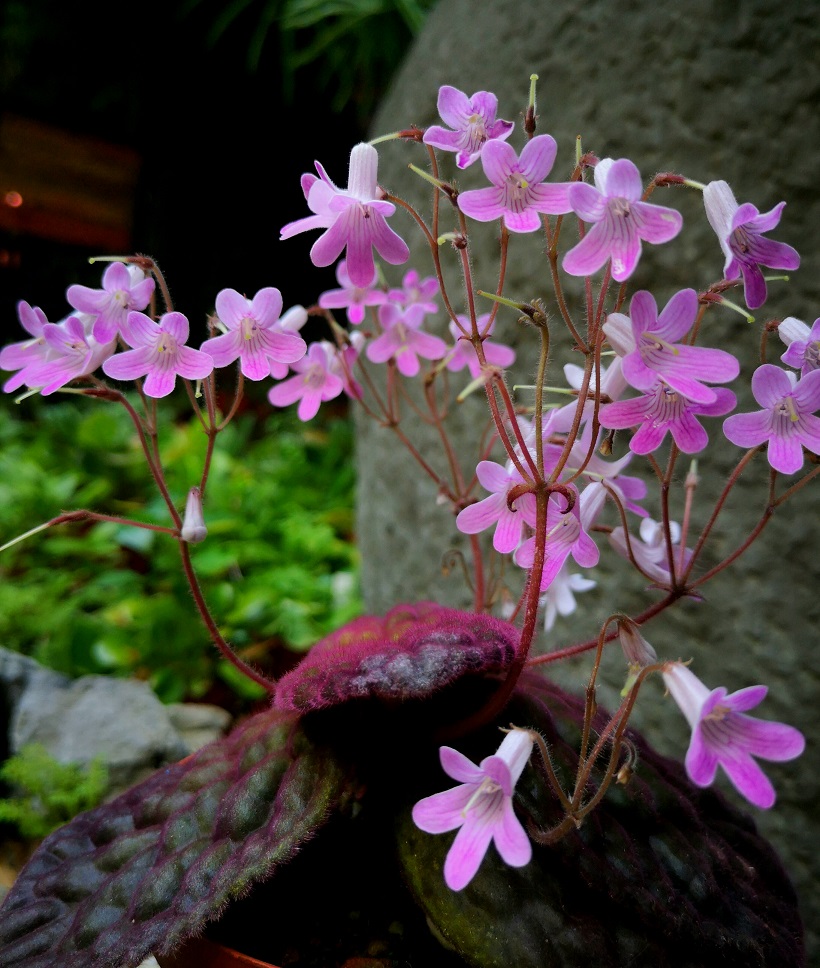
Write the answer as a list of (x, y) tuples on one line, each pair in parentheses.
[(13, 199)]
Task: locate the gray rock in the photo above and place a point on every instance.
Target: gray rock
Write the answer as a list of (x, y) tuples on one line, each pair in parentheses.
[(119, 719), (198, 723), (18, 673), (714, 90)]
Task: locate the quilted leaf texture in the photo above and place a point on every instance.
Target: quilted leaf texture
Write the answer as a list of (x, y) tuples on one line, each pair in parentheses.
[(660, 874), (144, 872), (410, 653)]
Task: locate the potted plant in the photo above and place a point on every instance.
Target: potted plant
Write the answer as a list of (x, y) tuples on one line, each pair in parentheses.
[(323, 829)]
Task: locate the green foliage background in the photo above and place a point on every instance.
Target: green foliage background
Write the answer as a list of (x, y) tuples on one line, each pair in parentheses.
[(347, 49), (279, 567), (48, 793)]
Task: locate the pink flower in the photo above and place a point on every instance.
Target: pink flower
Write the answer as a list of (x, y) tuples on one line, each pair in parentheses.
[(70, 354), (315, 382), (740, 229), (621, 220), (517, 194), (290, 322), (27, 353), (657, 353), (613, 385), (664, 410), (344, 360), (473, 120), (403, 341), (566, 536), (496, 354), (723, 736), (559, 598), (494, 509), (649, 551), (253, 336), (804, 344), (480, 808), (416, 291), (124, 288), (606, 481), (318, 192), (354, 219), (350, 297), (159, 354), (787, 420)]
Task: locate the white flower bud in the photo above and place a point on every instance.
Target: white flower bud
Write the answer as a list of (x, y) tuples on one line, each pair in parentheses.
[(193, 524), (638, 651)]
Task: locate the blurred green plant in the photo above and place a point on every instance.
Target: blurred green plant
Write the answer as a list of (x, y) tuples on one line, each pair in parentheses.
[(47, 793), (352, 46), (279, 567)]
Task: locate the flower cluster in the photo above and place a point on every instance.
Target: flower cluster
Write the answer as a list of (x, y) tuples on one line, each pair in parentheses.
[(60, 353), (562, 487)]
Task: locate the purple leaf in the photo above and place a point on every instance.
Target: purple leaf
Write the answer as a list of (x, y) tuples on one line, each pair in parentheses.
[(141, 874), (414, 651)]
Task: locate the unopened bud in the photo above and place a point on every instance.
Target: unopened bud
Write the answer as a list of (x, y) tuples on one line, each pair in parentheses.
[(193, 524), (637, 650), (692, 479), (624, 775), (605, 447)]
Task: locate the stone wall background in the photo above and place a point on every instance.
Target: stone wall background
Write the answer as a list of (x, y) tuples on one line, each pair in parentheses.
[(713, 89)]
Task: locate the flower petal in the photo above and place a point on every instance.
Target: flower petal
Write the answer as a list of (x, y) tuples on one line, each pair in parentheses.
[(749, 780), (390, 246), (701, 762), (537, 157), (770, 384), (224, 349), (777, 742), (176, 325), (192, 364), (591, 252), (656, 223), (492, 476), (499, 160), (130, 365), (511, 840), (623, 180), (454, 106), (443, 811), (785, 453), (688, 434), (748, 429), (266, 306), (287, 392), (587, 202), (232, 307), (483, 204), (468, 850), (459, 767), (527, 220)]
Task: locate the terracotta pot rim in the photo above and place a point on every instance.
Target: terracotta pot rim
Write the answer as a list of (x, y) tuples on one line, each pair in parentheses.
[(204, 953)]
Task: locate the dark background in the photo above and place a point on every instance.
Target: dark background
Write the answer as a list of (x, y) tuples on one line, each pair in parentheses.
[(223, 121)]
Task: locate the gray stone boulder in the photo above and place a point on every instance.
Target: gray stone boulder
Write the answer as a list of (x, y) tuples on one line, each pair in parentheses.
[(121, 720), (715, 91)]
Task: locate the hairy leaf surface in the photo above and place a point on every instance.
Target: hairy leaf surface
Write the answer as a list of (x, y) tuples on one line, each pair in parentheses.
[(142, 873), (411, 653)]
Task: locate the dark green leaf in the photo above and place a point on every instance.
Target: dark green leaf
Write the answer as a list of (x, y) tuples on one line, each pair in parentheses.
[(149, 869)]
